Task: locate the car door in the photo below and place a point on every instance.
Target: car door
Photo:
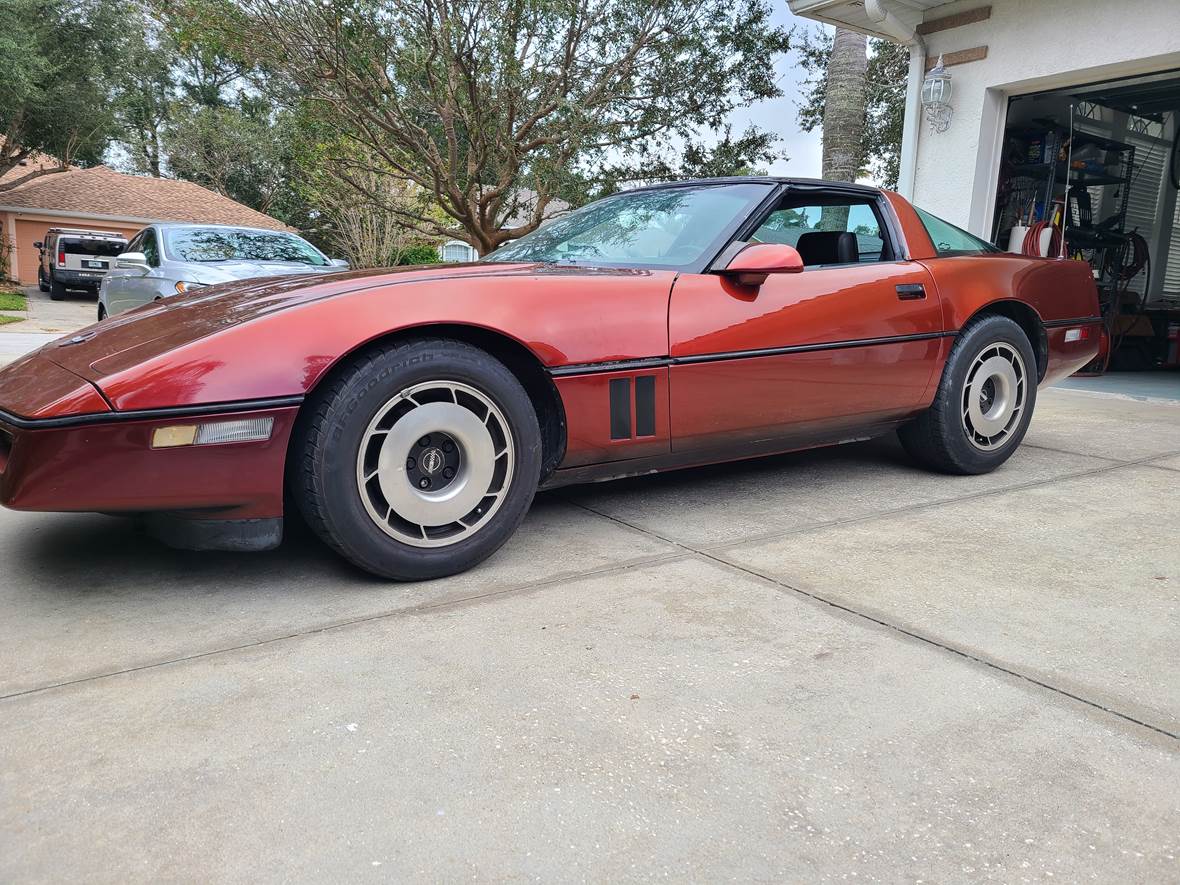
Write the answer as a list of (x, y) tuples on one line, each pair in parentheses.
[(139, 286), (116, 282), (848, 344)]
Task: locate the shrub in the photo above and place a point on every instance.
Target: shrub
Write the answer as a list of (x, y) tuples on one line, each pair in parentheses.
[(420, 254)]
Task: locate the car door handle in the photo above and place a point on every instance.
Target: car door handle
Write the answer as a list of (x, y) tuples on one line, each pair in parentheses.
[(911, 292)]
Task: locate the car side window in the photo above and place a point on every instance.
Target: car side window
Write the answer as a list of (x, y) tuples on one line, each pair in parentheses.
[(950, 240), (150, 249), (827, 232)]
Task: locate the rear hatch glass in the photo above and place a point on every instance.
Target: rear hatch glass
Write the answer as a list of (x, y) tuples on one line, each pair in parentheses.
[(93, 255), (93, 248)]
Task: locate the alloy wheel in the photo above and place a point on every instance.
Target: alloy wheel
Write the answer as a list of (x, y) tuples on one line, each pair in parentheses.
[(994, 396), (435, 463)]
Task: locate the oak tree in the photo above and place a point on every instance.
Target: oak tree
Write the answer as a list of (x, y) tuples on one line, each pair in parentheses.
[(500, 109)]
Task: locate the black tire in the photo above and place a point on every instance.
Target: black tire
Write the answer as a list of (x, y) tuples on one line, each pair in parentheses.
[(57, 291), (326, 456), (41, 284), (102, 313), (942, 437)]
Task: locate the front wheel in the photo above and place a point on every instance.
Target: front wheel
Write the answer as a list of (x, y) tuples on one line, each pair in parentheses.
[(419, 460), (984, 403), (41, 284)]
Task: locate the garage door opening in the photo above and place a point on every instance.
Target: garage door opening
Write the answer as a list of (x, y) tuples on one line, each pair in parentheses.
[(1093, 172)]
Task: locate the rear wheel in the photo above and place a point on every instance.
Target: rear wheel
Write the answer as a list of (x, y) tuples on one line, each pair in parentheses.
[(102, 313), (419, 460), (984, 403), (56, 290)]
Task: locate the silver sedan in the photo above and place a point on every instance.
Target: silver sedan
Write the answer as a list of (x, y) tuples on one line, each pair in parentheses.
[(171, 259)]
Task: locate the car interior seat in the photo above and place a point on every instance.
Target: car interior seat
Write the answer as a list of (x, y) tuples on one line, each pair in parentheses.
[(828, 247)]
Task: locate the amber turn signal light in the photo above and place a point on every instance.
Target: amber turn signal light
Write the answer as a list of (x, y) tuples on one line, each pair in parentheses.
[(212, 433)]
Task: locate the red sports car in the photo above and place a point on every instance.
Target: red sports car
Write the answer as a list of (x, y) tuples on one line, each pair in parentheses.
[(412, 413)]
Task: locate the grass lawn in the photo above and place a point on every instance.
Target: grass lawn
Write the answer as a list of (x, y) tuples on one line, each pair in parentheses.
[(10, 300), (7, 319)]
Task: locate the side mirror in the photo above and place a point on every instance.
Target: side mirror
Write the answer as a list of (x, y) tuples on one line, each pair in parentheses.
[(38, 245), (131, 261), (340, 262), (752, 265)]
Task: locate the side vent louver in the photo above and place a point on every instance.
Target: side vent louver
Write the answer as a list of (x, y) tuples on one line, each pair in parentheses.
[(645, 407)]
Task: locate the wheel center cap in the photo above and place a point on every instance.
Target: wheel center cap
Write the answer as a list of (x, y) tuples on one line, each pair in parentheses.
[(431, 460)]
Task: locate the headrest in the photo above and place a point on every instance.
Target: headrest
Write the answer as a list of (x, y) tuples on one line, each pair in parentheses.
[(828, 247)]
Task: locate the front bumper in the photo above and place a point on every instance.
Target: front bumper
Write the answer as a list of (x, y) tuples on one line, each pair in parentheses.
[(105, 463)]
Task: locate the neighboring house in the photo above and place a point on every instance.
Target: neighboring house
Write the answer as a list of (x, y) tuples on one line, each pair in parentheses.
[(100, 198), (457, 250), (1051, 103), (33, 166)]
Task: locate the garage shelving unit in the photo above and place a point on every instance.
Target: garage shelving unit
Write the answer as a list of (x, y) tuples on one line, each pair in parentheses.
[(1101, 241)]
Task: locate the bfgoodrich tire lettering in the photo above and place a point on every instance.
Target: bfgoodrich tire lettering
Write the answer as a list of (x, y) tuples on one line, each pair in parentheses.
[(347, 479), (984, 402)]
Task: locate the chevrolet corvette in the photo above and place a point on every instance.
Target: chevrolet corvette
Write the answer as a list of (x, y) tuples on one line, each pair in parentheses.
[(410, 414)]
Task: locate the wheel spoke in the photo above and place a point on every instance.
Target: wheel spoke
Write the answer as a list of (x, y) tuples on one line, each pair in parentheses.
[(994, 395), (446, 444)]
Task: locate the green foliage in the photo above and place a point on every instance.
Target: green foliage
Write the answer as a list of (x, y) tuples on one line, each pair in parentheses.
[(499, 108), (60, 63), (888, 68), (242, 150), (419, 254), (10, 300), (194, 110), (728, 156)]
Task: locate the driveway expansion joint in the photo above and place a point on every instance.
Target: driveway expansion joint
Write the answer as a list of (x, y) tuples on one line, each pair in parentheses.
[(896, 628), (1028, 445), (930, 505), (408, 611)]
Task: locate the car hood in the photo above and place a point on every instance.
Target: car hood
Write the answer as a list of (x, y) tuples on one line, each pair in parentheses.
[(229, 271), (131, 338)]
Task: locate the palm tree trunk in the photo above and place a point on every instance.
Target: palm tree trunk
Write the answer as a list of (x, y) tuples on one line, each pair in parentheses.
[(844, 108)]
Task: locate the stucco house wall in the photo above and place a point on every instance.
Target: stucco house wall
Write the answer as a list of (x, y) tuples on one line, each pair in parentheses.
[(1030, 45)]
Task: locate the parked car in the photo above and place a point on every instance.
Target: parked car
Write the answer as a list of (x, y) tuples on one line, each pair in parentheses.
[(169, 259), (412, 413), (76, 259)]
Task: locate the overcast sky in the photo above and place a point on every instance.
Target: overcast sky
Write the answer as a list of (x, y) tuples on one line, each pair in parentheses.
[(781, 114)]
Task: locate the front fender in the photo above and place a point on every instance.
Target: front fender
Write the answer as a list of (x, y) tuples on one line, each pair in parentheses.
[(563, 316)]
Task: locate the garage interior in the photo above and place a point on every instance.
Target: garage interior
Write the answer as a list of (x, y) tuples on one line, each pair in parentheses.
[(1093, 172)]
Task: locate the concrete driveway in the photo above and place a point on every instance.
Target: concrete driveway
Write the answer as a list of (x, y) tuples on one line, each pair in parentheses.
[(823, 666), (46, 320)]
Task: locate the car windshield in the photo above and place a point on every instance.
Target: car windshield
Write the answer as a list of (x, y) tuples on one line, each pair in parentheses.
[(672, 227), (230, 244)]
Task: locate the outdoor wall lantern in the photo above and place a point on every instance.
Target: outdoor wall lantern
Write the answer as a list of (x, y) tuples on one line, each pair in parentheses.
[(936, 97)]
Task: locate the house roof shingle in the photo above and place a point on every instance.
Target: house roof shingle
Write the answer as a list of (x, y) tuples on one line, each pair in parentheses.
[(102, 191)]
